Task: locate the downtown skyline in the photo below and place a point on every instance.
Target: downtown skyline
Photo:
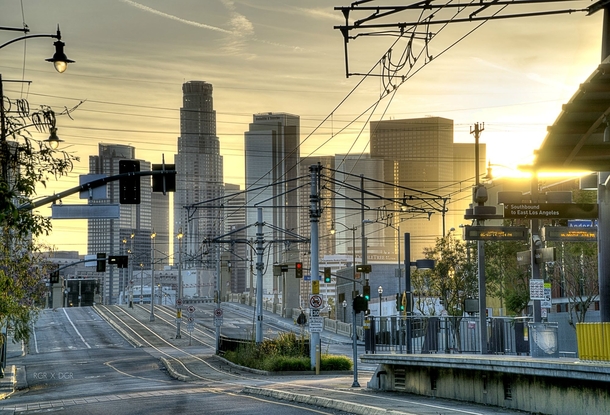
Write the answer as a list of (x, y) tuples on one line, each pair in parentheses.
[(132, 59)]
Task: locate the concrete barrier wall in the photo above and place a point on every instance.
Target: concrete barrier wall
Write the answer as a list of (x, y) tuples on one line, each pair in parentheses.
[(535, 394)]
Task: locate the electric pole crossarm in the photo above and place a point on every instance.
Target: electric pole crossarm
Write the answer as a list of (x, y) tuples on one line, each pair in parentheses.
[(91, 185)]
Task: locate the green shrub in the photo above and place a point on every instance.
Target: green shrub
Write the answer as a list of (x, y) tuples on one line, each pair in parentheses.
[(334, 362), (285, 353)]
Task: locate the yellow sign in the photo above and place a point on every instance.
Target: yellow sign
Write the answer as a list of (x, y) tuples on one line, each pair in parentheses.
[(178, 313), (315, 287)]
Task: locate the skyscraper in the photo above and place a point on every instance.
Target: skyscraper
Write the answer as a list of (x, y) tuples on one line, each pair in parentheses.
[(420, 154), (272, 153), (199, 168), (128, 235)]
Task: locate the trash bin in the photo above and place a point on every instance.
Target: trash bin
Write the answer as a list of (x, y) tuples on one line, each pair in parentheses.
[(543, 339)]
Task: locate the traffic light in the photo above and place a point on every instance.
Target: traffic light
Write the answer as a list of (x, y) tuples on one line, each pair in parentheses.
[(367, 291), (164, 182), (129, 187), (360, 304), (327, 276), (101, 262), (298, 269), (54, 277), (399, 306)]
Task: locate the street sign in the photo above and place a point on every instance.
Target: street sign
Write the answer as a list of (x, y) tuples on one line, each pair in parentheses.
[(550, 211), (495, 233), (218, 322), (545, 255), (569, 234), (315, 287), (524, 257), (546, 303), (179, 302), (191, 309), (315, 313), (536, 289), (218, 312), (315, 301), (316, 324)]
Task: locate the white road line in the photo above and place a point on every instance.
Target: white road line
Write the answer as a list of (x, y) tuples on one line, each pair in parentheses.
[(35, 339), (75, 329)]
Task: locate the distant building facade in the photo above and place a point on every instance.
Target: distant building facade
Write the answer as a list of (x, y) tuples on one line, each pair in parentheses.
[(272, 153), (130, 234), (199, 177)]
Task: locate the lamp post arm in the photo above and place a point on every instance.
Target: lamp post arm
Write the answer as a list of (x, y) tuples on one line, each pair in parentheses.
[(17, 39)]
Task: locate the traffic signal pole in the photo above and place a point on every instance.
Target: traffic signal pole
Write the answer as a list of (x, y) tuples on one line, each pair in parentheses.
[(260, 265), (314, 218)]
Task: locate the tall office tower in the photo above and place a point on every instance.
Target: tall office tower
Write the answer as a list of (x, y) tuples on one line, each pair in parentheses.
[(130, 234), (239, 254), (356, 205), (161, 228), (199, 168), (272, 153), (420, 154)]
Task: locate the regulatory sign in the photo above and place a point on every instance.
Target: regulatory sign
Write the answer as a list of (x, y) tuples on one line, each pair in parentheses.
[(315, 312), (316, 324), (190, 320), (191, 309), (179, 302), (316, 301), (537, 289), (546, 303), (218, 312)]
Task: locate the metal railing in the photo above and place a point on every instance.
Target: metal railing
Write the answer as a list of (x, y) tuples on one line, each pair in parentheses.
[(428, 334)]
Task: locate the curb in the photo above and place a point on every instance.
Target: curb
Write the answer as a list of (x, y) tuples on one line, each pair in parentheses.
[(172, 372), (350, 407)]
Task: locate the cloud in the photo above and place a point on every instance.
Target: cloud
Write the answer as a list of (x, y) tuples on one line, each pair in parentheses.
[(172, 17), (243, 31)]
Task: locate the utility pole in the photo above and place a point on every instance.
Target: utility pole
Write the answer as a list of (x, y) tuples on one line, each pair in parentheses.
[(314, 218), (479, 198), (260, 265)]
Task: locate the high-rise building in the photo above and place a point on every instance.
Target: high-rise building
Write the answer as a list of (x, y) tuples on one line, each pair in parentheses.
[(272, 153), (130, 233), (199, 168), (420, 154), (239, 254)]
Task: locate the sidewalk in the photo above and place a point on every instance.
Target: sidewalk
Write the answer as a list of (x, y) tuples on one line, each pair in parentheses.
[(9, 382)]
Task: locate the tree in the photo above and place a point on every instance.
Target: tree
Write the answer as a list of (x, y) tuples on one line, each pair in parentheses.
[(27, 164), (576, 273), (453, 279), (505, 278)]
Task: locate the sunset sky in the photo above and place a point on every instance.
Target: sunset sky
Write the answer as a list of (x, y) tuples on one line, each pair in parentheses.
[(284, 56)]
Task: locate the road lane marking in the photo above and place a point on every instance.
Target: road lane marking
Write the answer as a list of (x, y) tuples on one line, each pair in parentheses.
[(75, 329)]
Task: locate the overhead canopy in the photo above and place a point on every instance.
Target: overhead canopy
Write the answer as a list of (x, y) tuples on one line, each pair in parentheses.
[(576, 140)]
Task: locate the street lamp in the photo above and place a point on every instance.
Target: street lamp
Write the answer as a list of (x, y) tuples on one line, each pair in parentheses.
[(344, 304), (179, 293), (355, 383), (59, 59), (153, 235), (380, 291)]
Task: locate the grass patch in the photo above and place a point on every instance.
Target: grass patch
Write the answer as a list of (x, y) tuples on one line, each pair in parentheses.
[(285, 353)]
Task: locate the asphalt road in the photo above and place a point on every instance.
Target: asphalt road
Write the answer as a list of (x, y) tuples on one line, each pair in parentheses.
[(77, 364)]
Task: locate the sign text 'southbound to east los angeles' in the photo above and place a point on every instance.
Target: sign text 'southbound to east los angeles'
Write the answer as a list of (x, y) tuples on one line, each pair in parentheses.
[(550, 210)]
